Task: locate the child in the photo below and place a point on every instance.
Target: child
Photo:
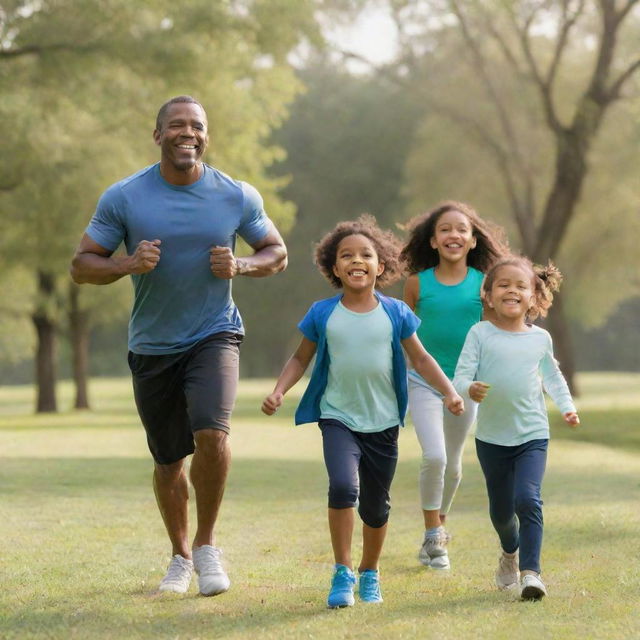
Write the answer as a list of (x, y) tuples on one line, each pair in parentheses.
[(358, 391), (448, 251), (503, 365)]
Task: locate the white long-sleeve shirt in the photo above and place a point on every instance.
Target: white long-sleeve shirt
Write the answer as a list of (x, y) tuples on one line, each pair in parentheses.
[(515, 364)]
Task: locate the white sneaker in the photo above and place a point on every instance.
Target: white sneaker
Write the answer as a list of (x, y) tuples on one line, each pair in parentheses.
[(212, 578), (178, 576), (507, 572), (433, 552), (532, 588)]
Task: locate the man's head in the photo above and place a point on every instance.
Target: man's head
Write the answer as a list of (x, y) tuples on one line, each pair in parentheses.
[(181, 133)]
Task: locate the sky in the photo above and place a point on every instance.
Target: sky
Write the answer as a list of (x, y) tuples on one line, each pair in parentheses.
[(372, 35)]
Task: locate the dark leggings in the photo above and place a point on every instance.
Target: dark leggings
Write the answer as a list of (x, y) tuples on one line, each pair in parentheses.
[(361, 467), (514, 477)]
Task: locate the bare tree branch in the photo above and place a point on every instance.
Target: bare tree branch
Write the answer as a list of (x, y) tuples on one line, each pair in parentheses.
[(544, 85), (40, 49), (616, 87), (622, 14), (481, 66)]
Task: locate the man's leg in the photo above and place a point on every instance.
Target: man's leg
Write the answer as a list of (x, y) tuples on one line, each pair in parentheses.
[(172, 495), (209, 469), (210, 384)]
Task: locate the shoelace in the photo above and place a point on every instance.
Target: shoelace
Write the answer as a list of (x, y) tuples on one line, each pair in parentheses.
[(212, 560), (369, 586), (175, 572)]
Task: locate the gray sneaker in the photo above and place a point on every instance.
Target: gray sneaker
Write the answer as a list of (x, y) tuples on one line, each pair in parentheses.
[(433, 552), (178, 577), (532, 588), (212, 578), (507, 573)]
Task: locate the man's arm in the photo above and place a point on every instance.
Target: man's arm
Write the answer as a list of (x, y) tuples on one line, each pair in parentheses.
[(94, 264), (270, 257)]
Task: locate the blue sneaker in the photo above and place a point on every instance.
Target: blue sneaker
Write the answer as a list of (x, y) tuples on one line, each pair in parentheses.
[(369, 587), (342, 585)]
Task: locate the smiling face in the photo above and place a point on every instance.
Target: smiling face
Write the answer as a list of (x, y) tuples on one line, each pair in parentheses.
[(453, 236), (182, 139), (357, 264), (511, 293)]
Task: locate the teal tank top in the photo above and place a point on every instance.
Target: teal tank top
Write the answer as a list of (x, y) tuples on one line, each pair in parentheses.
[(447, 313)]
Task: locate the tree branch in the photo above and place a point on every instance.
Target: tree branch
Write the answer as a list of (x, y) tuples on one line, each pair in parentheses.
[(614, 91), (40, 49), (544, 84)]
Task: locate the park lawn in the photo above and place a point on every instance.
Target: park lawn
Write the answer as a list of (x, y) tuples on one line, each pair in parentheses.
[(84, 547)]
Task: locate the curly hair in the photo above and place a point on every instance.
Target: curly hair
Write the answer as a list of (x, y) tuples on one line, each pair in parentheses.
[(545, 280), (418, 254), (385, 242)]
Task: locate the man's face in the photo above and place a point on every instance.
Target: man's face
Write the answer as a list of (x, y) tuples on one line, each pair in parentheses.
[(183, 136)]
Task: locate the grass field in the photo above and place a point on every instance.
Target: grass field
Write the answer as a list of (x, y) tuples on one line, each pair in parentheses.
[(83, 547)]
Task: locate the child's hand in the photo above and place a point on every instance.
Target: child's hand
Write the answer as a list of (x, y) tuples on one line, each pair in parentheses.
[(571, 418), (271, 403), (478, 391), (454, 403)]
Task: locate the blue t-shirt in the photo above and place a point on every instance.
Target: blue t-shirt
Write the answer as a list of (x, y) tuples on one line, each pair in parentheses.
[(360, 391), (180, 301), (314, 327)]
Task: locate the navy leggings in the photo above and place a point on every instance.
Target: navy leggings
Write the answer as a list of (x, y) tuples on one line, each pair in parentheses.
[(514, 477), (361, 467)]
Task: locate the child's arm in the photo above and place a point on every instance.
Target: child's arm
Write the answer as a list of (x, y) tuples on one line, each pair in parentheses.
[(411, 291), (290, 374), (556, 386), (430, 370), (464, 379)]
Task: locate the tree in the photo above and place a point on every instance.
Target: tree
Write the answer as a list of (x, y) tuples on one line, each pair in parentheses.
[(346, 142), (131, 57), (511, 77)]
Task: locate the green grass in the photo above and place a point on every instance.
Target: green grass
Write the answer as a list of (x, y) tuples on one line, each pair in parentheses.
[(83, 547)]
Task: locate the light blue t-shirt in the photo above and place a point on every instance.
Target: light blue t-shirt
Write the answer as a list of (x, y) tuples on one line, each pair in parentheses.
[(515, 364), (360, 389), (180, 301), (447, 312)]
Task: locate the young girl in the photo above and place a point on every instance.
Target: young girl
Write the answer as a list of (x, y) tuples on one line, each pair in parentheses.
[(358, 391), (448, 251), (503, 365)]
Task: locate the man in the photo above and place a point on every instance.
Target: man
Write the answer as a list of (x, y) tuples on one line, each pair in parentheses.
[(178, 220)]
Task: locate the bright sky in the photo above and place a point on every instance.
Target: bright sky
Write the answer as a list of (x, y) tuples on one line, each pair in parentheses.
[(373, 36)]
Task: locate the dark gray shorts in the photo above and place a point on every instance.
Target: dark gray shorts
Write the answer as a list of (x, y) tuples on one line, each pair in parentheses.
[(179, 393), (361, 467)]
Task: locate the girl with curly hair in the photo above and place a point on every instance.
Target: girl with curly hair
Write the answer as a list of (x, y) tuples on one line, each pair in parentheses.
[(358, 391), (446, 255), (503, 365)]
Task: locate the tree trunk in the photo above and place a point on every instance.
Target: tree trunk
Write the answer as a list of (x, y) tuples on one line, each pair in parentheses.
[(46, 348), (562, 343), (79, 338)]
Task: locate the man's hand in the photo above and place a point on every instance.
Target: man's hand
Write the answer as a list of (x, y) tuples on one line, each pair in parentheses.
[(478, 391), (146, 256), (223, 263)]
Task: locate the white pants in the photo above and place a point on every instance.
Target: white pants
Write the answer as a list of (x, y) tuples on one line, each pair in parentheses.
[(442, 436)]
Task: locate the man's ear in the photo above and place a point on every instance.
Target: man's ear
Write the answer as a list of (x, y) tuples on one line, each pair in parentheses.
[(156, 136)]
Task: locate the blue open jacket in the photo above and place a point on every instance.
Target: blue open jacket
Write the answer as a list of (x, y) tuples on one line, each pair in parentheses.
[(314, 327)]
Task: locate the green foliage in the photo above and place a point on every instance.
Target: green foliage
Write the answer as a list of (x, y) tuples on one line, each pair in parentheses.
[(346, 142), (84, 82)]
